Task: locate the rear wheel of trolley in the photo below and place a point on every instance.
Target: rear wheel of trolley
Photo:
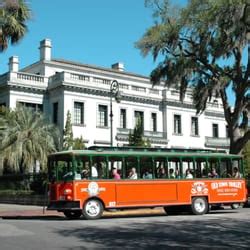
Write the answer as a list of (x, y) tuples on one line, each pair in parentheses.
[(199, 205)]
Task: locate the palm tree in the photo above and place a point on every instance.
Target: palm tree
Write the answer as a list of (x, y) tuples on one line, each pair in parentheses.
[(13, 16), (26, 137)]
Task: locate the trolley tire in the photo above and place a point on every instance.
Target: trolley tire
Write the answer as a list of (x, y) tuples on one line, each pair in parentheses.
[(71, 214), (92, 209), (235, 205), (199, 205)]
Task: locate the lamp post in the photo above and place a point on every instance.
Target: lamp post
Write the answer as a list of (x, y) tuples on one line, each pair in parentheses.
[(114, 92)]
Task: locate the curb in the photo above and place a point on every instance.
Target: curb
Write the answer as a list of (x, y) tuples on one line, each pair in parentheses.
[(28, 213)]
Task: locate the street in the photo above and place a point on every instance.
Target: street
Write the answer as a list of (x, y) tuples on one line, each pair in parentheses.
[(220, 229)]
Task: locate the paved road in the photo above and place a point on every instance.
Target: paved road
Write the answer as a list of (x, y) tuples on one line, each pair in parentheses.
[(224, 229)]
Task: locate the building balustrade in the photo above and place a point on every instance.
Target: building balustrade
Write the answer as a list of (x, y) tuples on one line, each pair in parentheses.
[(154, 91), (123, 131), (104, 83), (146, 133), (214, 105), (79, 77), (30, 77), (102, 80), (25, 79), (153, 136), (214, 142)]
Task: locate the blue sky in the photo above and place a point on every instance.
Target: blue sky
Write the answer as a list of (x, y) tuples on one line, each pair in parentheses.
[(98, 32)]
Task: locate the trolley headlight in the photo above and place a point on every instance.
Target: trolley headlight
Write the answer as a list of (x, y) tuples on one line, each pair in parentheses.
[(67, 191), (69, 198)]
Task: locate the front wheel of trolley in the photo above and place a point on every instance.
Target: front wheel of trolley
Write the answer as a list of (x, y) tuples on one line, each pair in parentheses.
[(235, 205), (199, 205), (92, 209), (73, 214)]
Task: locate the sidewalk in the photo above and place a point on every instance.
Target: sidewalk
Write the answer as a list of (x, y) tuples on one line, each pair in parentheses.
[(13, 211)]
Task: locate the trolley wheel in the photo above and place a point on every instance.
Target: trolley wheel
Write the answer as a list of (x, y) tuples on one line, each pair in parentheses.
[(235, 205), (71, 214), (199, 205), (92, 209)]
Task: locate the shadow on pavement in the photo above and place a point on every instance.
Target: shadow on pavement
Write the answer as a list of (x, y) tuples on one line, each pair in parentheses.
[(180, 234), (108, 215)]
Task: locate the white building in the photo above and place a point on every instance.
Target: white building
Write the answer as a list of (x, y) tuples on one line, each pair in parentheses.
[(56, 86)]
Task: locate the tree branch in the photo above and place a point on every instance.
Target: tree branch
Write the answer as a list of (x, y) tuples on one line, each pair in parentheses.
[(239, 144), (239, 105), (227, 109), (238, 56)]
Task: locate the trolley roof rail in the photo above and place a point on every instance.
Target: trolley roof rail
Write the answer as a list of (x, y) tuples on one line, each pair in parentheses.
[(131, 148)]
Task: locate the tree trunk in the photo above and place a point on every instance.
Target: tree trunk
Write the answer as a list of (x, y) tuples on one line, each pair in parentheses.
[(238, 140), (1, 166)]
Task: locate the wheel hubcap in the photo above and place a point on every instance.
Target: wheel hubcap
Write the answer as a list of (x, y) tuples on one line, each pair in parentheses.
[(92, 208), (199, 205)]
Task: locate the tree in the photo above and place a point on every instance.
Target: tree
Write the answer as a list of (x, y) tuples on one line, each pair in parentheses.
[(136, 137), (68, 133), (201, 46), (69, 142), (78, 143), (13, 17), (246, 154), (26, 136)]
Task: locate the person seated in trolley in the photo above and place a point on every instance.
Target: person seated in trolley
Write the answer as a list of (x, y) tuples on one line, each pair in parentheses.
[(147, 174), (85, 174), (162, 173), (171, 173), (115, 174), (132, 174), (72, 175), (213, 173), (94, 172), (189, 174), (177, 173), (236, 173)]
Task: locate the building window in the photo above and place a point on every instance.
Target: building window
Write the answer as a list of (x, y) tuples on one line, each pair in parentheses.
[(177, 124), (55, 112), (34, 106), (102, 115), (139, 117), (154, 122), (123, 123), (215, 130), (78, 112), (194, 126)]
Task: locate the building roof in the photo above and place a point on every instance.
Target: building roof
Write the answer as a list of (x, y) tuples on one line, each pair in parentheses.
[(111, 70)]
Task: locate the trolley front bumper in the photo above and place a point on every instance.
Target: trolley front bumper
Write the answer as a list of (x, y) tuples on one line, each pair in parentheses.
[(64, 205)]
